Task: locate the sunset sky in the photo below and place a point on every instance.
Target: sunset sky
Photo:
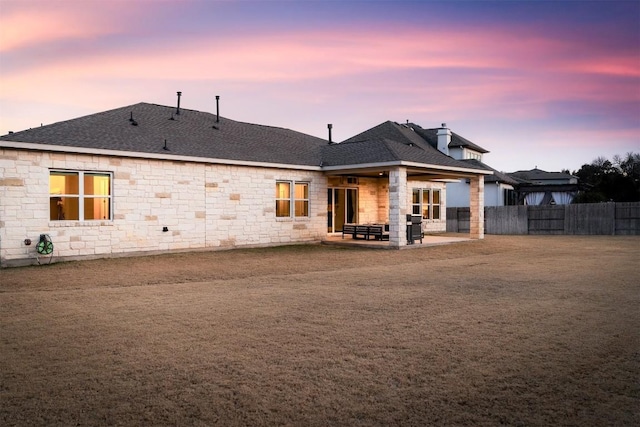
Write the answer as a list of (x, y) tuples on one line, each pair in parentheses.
[(552, 84)]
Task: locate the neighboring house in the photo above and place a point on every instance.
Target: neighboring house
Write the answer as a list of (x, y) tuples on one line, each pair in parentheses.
[(498, 187), (148, 178), (538, 187)]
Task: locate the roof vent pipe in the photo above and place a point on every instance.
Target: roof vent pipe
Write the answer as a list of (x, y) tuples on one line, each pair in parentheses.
[(217, 108), (178, 108), (330, 126)]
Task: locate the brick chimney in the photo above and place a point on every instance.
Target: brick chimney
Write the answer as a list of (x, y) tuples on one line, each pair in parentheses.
[(444, 138)]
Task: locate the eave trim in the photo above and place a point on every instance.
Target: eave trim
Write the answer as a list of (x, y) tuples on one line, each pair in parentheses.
[(407, 164)]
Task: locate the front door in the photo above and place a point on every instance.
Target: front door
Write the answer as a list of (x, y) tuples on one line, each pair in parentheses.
[(342, 207)]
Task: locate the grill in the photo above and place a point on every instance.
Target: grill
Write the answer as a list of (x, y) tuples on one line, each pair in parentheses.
[(414, 229)]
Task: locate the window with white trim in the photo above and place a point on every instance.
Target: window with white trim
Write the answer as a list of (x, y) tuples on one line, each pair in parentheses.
[(79, 196), (292, 199), (426, 202), (474, 155), (435, 204)]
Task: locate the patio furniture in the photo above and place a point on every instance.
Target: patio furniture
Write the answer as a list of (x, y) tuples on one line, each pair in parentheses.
[(378, 232), (349, 229), (366, 232), (362, 230)]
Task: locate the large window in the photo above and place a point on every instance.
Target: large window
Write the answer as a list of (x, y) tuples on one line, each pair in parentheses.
[(426, 202), (79, 196), (292, 199)]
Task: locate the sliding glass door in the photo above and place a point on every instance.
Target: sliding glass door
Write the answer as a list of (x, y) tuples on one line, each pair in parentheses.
[(342, 208)]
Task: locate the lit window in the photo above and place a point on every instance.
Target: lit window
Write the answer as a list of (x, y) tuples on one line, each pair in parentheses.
[(435, 204), (79, 196), (283, 199), (416, 201), (426, 202), (292, 195), (302, 199)]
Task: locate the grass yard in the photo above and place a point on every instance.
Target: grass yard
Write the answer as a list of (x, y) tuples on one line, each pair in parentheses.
[(516, 330)]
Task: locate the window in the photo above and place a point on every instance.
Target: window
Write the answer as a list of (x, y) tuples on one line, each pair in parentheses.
[(435, 204), (426, 202), (79, 196), (421, 202), (302, 199), (283, 199), (510, 197), (474, 155), (292, 199)]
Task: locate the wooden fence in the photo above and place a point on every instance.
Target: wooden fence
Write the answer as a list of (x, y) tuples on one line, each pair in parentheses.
[(592, 218)]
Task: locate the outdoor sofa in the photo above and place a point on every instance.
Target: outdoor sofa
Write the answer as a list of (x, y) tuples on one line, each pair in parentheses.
[(366, 231)]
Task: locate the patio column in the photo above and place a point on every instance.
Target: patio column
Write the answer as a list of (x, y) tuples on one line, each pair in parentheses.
[(397, 207), (476, 207)]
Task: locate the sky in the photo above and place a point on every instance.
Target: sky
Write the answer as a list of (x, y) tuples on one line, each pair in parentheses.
[(547, 84)]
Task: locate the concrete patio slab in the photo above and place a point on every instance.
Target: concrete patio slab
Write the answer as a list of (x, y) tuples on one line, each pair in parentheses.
[(428, 240)]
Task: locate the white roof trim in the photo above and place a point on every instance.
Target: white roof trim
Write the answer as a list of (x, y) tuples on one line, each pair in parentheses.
[(447, 168), (408, 164), (155, 156)]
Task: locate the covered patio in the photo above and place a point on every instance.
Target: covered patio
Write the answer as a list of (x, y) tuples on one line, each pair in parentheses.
[(393, 172), (384, 196)]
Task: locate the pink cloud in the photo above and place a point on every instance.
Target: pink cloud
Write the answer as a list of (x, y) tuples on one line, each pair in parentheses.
[(520, 92), (37, 22), (470, 72)]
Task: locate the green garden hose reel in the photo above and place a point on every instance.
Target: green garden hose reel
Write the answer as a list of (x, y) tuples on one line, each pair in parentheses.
[(45, 245)]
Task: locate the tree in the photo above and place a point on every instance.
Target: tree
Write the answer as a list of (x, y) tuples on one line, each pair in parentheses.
[(610, 181)]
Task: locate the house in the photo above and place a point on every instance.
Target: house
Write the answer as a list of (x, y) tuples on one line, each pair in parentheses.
[(539, 187), (148, 178), (499, 188)]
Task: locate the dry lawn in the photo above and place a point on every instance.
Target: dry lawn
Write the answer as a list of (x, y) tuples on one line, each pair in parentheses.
[(510, 330)]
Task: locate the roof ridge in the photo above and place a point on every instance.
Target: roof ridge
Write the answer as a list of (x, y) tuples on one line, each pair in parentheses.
[(387, 145)]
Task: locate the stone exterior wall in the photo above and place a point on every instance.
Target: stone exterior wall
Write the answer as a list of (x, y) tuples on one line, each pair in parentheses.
[(201, 206), (161, 206), (368, 190), (476, 208), (398, 207)]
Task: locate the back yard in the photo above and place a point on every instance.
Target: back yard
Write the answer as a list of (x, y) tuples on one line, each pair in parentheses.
[(526, 330)]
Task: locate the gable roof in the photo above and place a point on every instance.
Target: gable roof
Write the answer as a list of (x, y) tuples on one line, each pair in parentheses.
[(191, 133), (387, 142)]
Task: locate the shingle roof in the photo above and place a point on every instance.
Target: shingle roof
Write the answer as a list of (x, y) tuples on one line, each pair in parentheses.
[(431, 136), (143, 128), (539, 175), (496, 177), (389, 141), (192, 133)]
